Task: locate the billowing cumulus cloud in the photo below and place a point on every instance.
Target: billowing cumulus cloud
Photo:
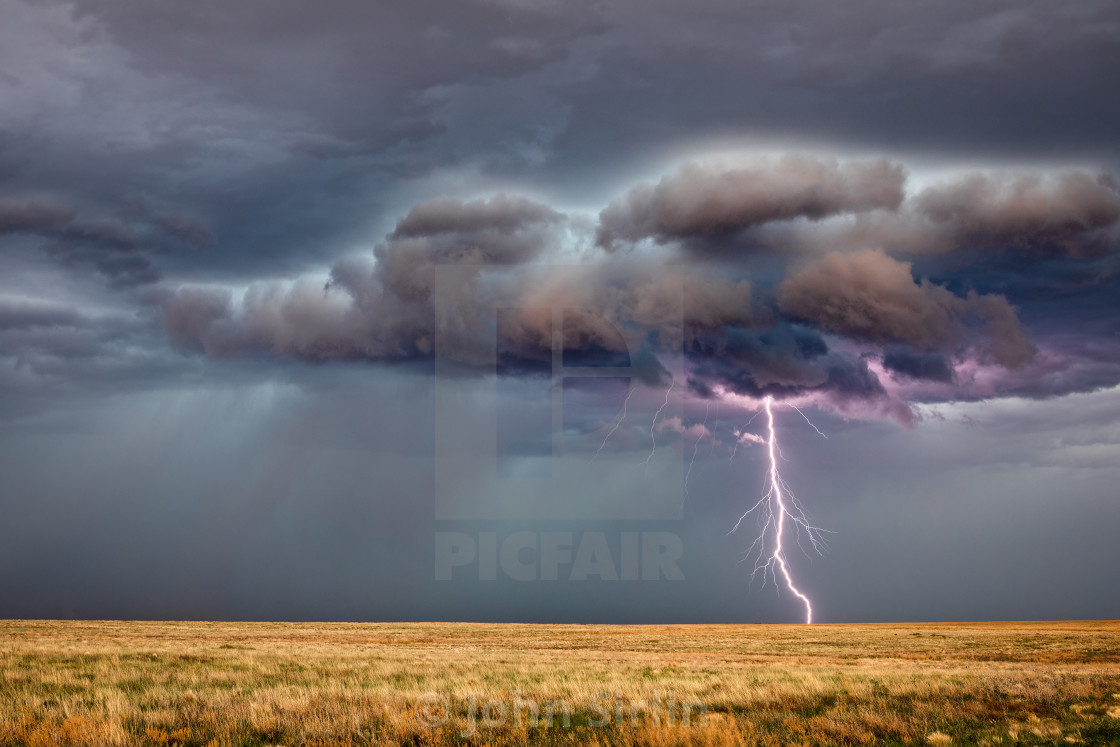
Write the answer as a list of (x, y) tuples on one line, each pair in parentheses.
[(712, 208), (857, 330), (374, 310), (712, 200), (695, 433), (383, 308), (499, 215), (870, 297), (498, 231), (1070, 211), (1038, 212), (634, 293), (193, 317)]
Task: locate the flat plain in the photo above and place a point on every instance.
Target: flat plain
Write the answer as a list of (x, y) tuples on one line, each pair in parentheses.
[(227, 683)]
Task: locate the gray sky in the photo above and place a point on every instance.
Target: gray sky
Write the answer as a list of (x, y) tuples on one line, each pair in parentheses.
[(279, 280)]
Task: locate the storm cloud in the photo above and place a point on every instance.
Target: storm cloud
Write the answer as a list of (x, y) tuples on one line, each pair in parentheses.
[(705, 200), (856, 304), (1069, 211), (808, 330), (870, 297), (379, 308), (32, 216), (1030, 212)]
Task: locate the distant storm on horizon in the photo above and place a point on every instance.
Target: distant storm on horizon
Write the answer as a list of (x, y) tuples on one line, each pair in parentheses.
[(508, 310)]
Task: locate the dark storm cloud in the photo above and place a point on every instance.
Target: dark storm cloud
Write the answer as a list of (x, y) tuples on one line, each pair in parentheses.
[(779, 360), (175, 224), (501, 231), (119, 247), (33, 216), (379, 310), (113, 248), (790, 362), (25, 314), (57, 357), (384, 309), (1069, 211), (647, 368), (711, 209), (192, 316), (736, 335), (656, 302), (237, 116), (233, 123), (1030, 212), (389, 51), (979, 79), (868, 296), (50, 340), (501, 214), (705, 200), (916, 364)]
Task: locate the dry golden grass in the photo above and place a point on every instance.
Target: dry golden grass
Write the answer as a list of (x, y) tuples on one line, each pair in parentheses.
[(123, 683)]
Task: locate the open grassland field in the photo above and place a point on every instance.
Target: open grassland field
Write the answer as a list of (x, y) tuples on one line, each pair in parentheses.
[(119, 683)]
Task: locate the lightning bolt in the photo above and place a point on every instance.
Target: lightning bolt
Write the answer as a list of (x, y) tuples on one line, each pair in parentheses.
[(617, 423), (696, 448), (656, 415), (810, 422), (776, 506)]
